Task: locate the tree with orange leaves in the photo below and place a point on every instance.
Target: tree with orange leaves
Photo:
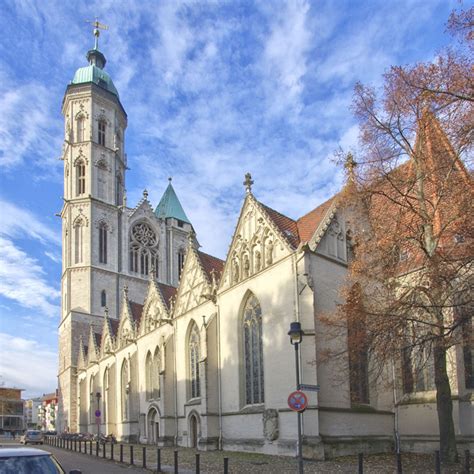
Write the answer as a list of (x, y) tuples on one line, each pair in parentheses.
[(409, 297)]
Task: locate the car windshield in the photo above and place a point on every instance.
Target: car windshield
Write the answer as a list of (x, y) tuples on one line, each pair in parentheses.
[(28, 465), (34, 432)]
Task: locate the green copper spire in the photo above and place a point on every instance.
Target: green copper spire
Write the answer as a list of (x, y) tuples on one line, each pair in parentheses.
[(170, 206)]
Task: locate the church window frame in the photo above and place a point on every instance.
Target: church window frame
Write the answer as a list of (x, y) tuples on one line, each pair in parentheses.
[(156, 374), (252, 350), (78, 241), (124, 390), (80, 178), (149, 376), (181, 256), (194, 355), (103, 231), (118, 189), (101, 131), (103, 298), (143, 248), (80, 129)]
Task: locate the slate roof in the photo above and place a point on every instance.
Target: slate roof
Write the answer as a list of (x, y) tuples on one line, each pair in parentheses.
[(114, 325), (137, 310), (167, 292), (169, 206)]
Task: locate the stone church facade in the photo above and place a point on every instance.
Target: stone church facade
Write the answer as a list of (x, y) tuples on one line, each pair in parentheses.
[(175, 346)]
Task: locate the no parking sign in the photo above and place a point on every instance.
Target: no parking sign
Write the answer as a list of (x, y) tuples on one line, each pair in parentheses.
[(297, 401)]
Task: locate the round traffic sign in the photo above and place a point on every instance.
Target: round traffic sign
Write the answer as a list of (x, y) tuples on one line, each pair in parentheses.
[(297, 401), (97, 413)]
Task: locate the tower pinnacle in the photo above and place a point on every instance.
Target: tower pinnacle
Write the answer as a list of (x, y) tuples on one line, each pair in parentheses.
[(94, 56)]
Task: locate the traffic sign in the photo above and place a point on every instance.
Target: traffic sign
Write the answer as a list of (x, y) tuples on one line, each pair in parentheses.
[(309, 388), (297, 401), (97, 413)]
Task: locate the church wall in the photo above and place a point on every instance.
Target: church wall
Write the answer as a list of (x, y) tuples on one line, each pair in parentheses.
[(186, 404), (275, 290)]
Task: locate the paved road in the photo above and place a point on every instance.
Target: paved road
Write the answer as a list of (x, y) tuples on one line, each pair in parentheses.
[(86, 464)]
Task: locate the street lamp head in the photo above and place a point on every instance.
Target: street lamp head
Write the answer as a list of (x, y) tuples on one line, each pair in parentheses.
[(295, 333), (98, 395)]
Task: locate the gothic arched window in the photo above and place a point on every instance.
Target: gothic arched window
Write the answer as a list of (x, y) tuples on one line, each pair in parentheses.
[(149, 376), (156, 374), (101, 132), (118, 190), (125, 389), (80, 178), (253, 352), (78, 240), (143, 249), (92, 399), (105, 389), (103, 298), (193, 361), (181, 255), (103, 242), (80, 128)]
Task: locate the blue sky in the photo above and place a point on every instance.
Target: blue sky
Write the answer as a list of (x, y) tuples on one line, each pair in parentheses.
[(212, 90)]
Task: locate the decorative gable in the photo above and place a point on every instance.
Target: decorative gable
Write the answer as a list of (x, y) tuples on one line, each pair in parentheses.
[(82, 357), (93, 346), (155, 308), (262, 237), (331, 239), (193, 285), (126, 330), (107, 343)]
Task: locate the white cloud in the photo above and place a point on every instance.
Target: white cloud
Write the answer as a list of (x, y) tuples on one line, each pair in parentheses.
[(28, 364), (18, 222), (23, 280), (284, 59)]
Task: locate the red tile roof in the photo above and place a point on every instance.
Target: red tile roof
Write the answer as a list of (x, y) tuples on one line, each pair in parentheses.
[(285, 225), (210, 263), (167, 292), (303, 228), (308, 223)]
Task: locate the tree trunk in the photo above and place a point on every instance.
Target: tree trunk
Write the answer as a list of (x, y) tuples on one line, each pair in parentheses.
[(444, 405)]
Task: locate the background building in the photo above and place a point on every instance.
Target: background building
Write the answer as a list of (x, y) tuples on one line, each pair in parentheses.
[(12, 417), (48, 412), (31, 408)]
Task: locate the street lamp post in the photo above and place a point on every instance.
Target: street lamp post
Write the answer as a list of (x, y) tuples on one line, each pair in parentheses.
[(98, 396), (296, 336)]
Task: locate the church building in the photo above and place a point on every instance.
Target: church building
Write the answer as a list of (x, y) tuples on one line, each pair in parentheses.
[(173, 346)]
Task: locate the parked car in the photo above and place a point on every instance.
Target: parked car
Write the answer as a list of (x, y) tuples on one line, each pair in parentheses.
[(32, 437), (29, 460)]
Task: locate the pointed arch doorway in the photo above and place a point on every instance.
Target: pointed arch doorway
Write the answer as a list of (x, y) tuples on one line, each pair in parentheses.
[(193, 430), (153, 426)]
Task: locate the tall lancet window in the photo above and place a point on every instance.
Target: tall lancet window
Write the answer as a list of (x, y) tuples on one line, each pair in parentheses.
[(80, 178), (181, 255), (78, 240), (80, 129), (193, 361), (125, 389), (253, 352), (105, 388), (149, 376), (118, 190), (156, 374), (101, 132), (103, 242)]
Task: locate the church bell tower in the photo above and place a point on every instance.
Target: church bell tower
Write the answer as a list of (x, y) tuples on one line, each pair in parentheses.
[(94, 200)]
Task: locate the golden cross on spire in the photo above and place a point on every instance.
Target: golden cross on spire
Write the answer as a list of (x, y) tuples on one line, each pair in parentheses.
[(97, 27)]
